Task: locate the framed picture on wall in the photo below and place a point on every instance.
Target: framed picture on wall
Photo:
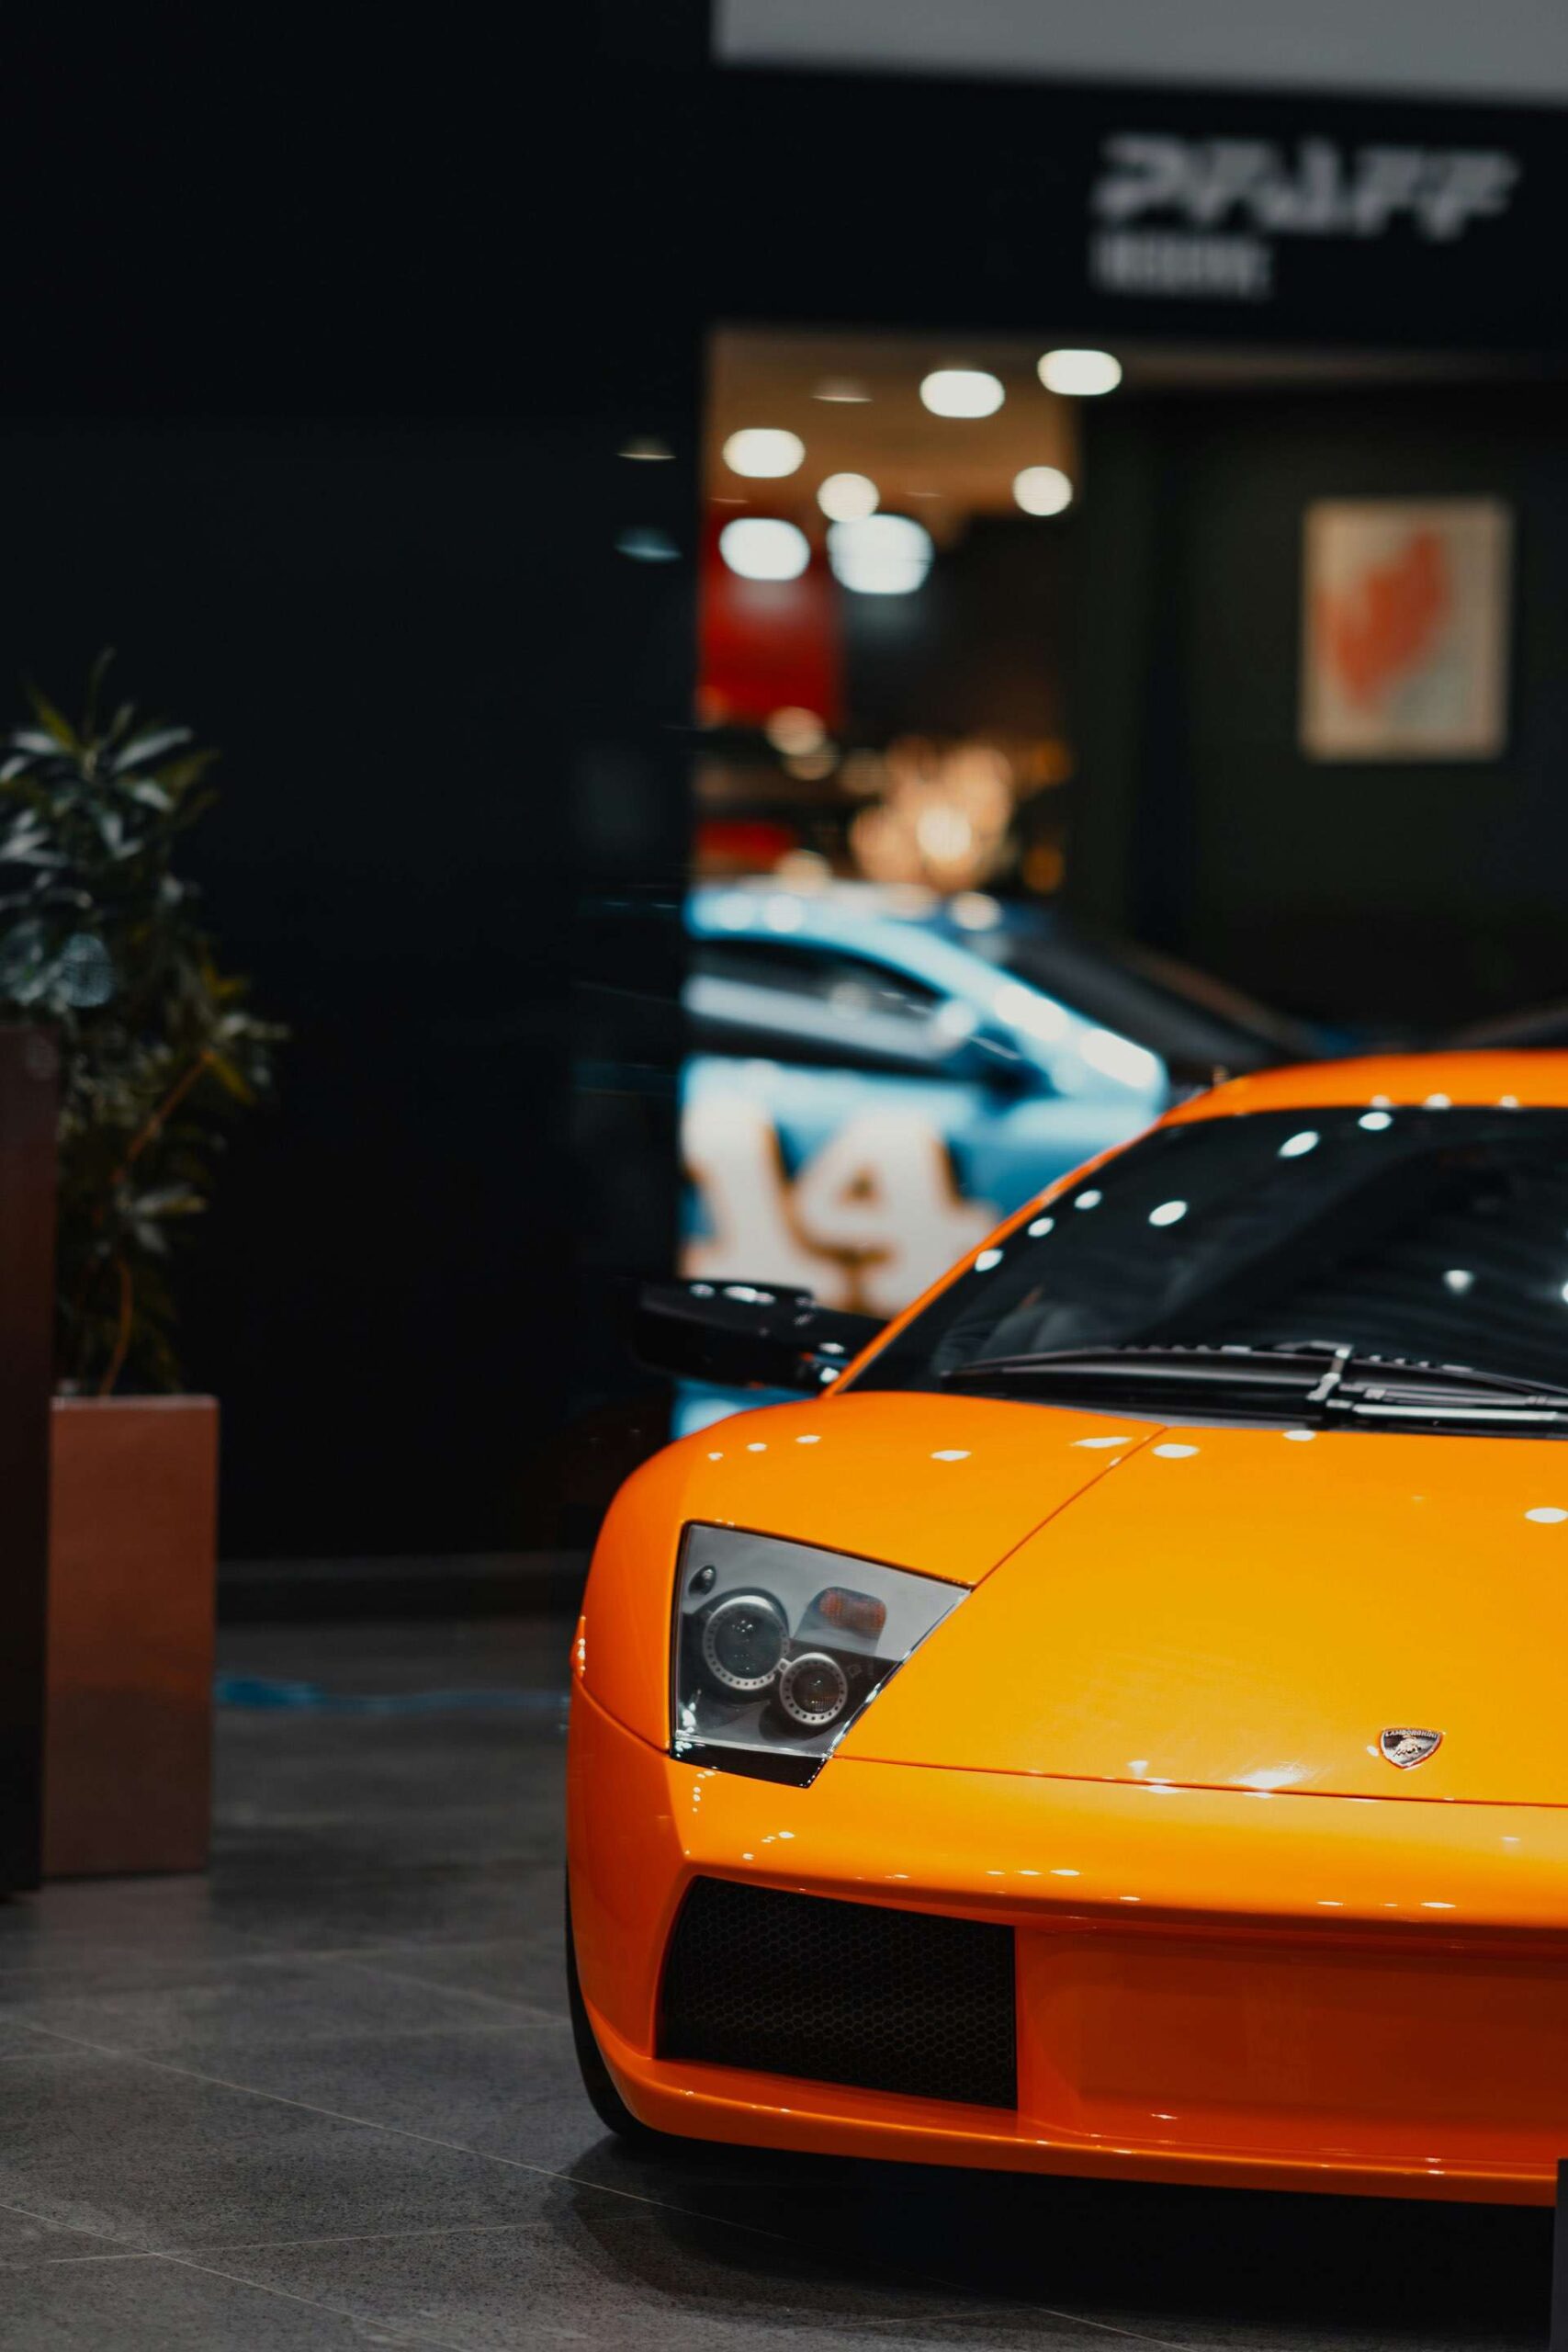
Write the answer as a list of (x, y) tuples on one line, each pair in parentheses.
[(1405, 639)]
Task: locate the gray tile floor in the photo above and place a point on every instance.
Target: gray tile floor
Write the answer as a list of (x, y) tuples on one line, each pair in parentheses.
[(326, 2096)]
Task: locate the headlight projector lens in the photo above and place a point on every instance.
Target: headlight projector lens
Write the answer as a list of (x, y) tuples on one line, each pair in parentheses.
[(813, 1690), (776, 1647), (743, 1640)]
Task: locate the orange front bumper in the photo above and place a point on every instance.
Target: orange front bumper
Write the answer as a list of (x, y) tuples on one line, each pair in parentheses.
[(1218, 1986)]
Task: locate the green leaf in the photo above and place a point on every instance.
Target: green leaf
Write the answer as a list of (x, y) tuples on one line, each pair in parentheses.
[(100, 935), (60, 729), (27, 844), (229, 1077), (168, 1200), (178, 775), (151, 746)]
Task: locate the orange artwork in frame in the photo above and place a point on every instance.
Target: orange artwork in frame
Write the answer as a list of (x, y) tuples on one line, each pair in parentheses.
[(1404, 612)]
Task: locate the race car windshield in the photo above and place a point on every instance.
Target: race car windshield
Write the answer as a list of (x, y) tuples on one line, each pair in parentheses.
[(1432, 1236)]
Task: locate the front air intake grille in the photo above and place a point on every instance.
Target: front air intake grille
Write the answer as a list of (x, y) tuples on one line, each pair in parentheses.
[(841, 1993)]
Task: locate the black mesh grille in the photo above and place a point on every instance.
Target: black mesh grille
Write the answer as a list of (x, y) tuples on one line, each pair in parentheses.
[(841, 1993)]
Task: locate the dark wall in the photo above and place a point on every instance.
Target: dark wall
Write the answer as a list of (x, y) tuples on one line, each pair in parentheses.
[(981, 647), (1401, 892), (337, 340), (354, 617)]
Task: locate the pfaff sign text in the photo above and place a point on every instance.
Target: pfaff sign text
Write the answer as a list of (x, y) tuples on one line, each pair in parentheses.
[(1198, 216)]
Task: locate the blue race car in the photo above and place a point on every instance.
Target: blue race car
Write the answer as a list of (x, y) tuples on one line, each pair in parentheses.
[(879, 1076)]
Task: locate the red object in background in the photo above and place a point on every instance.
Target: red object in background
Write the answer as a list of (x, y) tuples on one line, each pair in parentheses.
[(740, 845), (767, 645)]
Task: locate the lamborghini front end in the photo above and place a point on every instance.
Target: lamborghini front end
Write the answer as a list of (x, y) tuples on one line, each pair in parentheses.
[(1135, 1760)]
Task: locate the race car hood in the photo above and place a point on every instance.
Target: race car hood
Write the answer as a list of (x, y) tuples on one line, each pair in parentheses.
[(946, 1486), (1249, 1608)]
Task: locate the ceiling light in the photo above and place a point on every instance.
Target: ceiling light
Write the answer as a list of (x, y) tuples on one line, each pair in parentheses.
[(764, 452), (945, 834), (841, 388), (880, 555), (760, 547), (795, 731), (961, 391), (646, 449), (844, 498), (1080, 374), (810, 767), (1042, 489)]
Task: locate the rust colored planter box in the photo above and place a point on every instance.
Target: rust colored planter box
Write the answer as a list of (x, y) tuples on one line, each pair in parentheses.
[(128, 1754)]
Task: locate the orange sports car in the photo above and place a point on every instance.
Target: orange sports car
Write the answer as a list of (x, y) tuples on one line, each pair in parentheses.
[(1117, 1722)]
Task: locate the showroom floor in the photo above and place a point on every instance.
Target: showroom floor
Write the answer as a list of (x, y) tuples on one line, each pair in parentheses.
[(327, 2096)]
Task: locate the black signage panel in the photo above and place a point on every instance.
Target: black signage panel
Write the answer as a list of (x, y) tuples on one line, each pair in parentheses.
[(1166, 212)]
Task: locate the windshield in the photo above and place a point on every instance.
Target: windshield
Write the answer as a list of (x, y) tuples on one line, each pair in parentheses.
[(1434, 1235)]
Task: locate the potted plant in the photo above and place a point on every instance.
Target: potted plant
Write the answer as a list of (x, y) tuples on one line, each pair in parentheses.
[(100, 940)]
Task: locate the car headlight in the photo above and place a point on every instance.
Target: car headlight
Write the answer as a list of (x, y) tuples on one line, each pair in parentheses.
[(778, 1647)]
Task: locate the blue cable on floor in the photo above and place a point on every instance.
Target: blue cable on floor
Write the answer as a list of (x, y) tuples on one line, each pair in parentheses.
[(256, 1692)]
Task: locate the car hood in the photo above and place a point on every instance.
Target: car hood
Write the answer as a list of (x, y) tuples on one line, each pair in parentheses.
[(945, 1485), (1245, 1608), (948, 1486)]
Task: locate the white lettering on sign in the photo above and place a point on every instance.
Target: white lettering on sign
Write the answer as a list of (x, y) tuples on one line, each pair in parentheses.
[(1319, 189), (1174, 261), (869, 1221)]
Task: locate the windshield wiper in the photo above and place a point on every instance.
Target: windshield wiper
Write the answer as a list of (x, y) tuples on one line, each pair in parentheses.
[(1373, 1388), (1223, 1366), (1332, 1380), (1368, 1373)]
